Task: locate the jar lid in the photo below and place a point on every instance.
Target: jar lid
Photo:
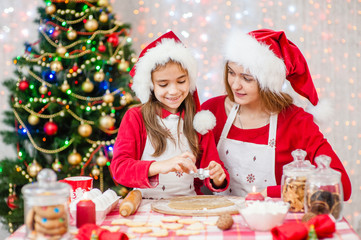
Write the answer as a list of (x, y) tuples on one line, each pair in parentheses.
[(299, 166), (46, 191), (324, 174)]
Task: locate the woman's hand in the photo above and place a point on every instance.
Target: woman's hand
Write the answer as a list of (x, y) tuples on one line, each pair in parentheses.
[(264, 192), (181, 163), (216, 173)]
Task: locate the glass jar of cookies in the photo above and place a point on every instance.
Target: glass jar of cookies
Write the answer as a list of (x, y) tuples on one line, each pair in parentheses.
[(294, 179), (324, 194), (46, 213)]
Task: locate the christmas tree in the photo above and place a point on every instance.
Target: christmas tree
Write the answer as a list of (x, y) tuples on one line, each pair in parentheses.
[(71, 90)]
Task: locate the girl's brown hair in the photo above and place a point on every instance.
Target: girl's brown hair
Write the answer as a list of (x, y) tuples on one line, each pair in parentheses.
[(157, 133), (271, 102)]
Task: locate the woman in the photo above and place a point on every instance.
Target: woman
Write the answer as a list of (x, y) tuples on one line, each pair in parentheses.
[(258, 126)]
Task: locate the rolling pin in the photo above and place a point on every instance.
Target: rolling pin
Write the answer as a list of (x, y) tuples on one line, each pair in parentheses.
[(130, 203)]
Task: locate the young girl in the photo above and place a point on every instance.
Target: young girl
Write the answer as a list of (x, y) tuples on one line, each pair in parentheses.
[(163, 141)]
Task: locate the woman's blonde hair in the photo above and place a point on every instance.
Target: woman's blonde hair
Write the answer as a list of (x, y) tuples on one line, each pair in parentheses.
[(271, 102), (157, 133)]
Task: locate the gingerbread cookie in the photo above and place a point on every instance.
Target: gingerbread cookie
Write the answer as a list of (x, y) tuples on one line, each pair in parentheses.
[(170, 219), (196, 226), (52, 231), (51, 221), (172, 226), (141, 229), (29, 220), (111, 228), (135, 224), (121, 221), (187, 221), (182, 232), (159, 233), (54, 211)]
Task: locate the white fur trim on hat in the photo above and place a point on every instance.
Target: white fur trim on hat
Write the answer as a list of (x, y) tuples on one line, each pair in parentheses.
[(204, 121), (167, 49), (257, 58)]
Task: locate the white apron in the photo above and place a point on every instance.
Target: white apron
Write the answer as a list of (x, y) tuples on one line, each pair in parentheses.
[(249, 165), (174, 183)]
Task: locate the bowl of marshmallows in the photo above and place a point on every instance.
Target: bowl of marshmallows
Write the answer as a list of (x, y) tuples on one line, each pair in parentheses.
[(264, 215)]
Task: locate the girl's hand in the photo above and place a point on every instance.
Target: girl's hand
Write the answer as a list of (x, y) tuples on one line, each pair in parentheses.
[(182, 163), (216, 173)]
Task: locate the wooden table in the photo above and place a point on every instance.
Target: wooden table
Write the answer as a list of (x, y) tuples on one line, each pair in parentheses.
[(238, 231)]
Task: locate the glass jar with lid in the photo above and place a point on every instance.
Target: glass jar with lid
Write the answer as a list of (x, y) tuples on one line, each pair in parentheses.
[(294, 179), (324, 193), (46, 213)]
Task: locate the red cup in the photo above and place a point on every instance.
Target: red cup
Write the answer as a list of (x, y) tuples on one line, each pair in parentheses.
[(79, 185)]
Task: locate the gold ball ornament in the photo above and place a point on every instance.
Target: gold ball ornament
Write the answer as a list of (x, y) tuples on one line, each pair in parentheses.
[(87, 86), (61, 50), (85, 130), (106, 121), (43, 89), (91, 25), (33, 120), (33, 168), (71, 34), (57, 166), (128, 97), (123, 102), (123, 191), (50, 9), (95, 171), (99, 76), (103, 17), (65, 86), (101, 160), (56, 66), (123, 66), (103, 3), (108, 98), (74, 158)]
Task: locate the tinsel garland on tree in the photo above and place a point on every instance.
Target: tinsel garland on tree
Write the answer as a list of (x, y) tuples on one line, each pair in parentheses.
[(71, 90)]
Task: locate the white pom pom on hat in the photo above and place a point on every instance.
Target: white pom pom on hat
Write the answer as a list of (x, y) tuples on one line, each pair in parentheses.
[(204, 121)]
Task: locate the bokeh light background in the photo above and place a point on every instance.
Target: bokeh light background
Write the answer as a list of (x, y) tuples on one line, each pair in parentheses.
[(328, 32)]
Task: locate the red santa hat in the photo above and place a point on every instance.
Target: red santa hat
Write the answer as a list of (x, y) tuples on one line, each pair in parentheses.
[(160, 51), (165, 48), (271, 58)]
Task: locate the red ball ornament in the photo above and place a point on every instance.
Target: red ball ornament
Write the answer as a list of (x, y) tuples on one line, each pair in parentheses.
[(55, 34), (10, 201), (111, 129), (50, 128), (23, 85), (75, 67), (113, 39), (101, 47)]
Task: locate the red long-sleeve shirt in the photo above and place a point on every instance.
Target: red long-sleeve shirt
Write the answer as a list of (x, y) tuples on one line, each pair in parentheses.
[(295, 130), (130, 171)]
